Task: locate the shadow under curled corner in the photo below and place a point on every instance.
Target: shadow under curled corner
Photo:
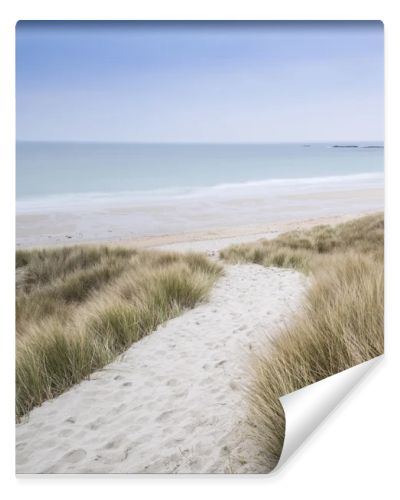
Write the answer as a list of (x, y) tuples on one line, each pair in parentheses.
[(306, 408)]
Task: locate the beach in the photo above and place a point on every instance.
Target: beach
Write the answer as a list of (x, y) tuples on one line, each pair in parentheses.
[(232, 220), (199, 231), (156, 194), (176, 400), (173, 402), (199, 253)]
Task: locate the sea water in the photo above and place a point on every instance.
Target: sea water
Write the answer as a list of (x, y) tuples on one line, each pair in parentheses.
[(52, 175)]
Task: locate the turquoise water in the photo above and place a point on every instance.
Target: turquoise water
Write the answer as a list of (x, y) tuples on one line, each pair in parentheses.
[(88, 170)]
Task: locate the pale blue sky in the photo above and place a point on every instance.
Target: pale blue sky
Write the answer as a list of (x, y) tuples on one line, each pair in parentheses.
[(199, 82)]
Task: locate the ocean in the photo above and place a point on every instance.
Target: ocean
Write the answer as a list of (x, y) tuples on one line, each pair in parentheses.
[(56, 176)]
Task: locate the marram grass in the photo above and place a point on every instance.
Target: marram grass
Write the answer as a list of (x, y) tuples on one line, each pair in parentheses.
[(339, 326), (77, 308)]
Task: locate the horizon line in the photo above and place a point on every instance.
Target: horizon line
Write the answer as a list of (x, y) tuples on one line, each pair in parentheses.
[(77, 141)]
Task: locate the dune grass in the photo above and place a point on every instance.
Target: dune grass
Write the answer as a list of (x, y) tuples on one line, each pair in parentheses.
[(302, 250), (78, 307), (340, 324)]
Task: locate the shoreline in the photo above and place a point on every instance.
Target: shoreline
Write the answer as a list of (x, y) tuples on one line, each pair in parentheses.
[(236, 215), (175, 400), (211, 240), (227, 214)]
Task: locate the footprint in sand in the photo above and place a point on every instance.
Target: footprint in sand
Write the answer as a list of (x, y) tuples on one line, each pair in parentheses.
[(65, 433), (74, 456), (115, 456), (117, 409), (164, 415), (93, 426), (114, 443), (220, 363)]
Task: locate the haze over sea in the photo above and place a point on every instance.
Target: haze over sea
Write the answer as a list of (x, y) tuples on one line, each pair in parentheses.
[(63, 176)]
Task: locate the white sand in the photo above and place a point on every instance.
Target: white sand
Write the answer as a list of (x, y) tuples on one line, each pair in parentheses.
[(143, 224), (175, 401), (205, 242)]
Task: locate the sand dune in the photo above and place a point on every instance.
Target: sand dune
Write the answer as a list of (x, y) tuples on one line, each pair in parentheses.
[(174, 401)]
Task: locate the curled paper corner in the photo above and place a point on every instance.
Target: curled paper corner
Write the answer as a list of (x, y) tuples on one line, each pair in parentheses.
[(306, 408)]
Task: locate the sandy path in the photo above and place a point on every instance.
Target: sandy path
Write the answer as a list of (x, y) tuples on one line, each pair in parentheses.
[(174, 401)]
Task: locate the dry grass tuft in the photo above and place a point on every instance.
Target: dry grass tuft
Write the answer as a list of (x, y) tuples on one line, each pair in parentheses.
[(300, 249), (79, 307), (340, 325)]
